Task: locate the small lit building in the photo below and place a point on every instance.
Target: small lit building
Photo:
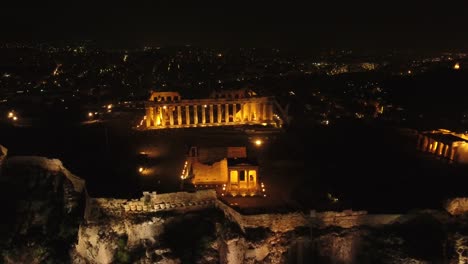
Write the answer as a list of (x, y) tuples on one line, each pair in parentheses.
[(227, 169)]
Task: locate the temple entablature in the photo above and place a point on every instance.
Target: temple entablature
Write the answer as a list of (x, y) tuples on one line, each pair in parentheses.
[(233, 94)]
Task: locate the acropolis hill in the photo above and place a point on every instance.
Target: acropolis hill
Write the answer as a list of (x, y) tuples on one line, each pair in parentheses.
[(47, 201)]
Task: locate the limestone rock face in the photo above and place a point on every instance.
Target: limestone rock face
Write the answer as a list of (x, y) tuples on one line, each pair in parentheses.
[(457, 206), (340, 247), (3, 154), (45, 206)]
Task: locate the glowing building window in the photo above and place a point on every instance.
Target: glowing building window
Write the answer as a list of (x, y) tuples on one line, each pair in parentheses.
[(234, 177)]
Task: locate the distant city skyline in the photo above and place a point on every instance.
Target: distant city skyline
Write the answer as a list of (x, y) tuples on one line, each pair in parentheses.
[(289, 25)]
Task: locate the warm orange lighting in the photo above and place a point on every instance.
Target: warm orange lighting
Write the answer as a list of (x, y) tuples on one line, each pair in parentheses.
[(15, 118), (10, 115), (258, 142), (456, 66), (109, 106), (140, 169), (90, 114)]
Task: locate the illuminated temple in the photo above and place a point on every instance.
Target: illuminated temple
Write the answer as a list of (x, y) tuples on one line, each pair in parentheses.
[(235, 107), (228, 167), (444, 144)]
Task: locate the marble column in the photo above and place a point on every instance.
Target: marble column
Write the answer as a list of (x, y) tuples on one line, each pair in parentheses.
[(242, 110), (270, 112), (148, 116), (195, 114), (234, 113), (163, 116), (219, 113), (264, 111), (226, 113), (203, 116), (187, 115), (171, 115), (211, 115), (179, 115)]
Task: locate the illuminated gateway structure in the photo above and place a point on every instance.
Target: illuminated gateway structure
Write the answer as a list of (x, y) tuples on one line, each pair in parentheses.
[(226, 108)]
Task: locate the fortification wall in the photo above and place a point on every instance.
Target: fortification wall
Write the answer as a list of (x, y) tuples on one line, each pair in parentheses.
[(150, 203), (275, 222)]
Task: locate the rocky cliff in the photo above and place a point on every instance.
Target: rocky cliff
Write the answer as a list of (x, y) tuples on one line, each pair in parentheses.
[(42, 208), (48, 218)]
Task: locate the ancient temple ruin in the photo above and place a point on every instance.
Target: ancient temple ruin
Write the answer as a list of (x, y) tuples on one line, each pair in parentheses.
[(229, 169), (238, 107), (445, 144)]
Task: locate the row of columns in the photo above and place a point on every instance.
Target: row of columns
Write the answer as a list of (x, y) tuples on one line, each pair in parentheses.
[(427, 144), (241, 113)]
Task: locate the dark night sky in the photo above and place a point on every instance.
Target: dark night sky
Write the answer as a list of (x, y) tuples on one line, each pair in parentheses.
[(312, 24)]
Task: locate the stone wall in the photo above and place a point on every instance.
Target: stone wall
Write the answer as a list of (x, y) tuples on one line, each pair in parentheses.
[(350, 218), (290, 221), (149, 203), (216, 173), (275, 222)]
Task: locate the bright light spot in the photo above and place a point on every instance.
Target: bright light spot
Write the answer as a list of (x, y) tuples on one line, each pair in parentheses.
[(165, 107), (90, 114), (10, 115), (220, 55), (140, 169), (409, 72), (204, 106), (456, 66), (109, 106), (258, 142), (15, 118)]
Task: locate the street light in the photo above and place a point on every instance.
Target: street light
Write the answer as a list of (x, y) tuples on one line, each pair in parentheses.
[(258, 142)]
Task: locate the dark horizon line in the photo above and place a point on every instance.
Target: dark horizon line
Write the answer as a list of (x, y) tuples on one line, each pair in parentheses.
[(104, 44)]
